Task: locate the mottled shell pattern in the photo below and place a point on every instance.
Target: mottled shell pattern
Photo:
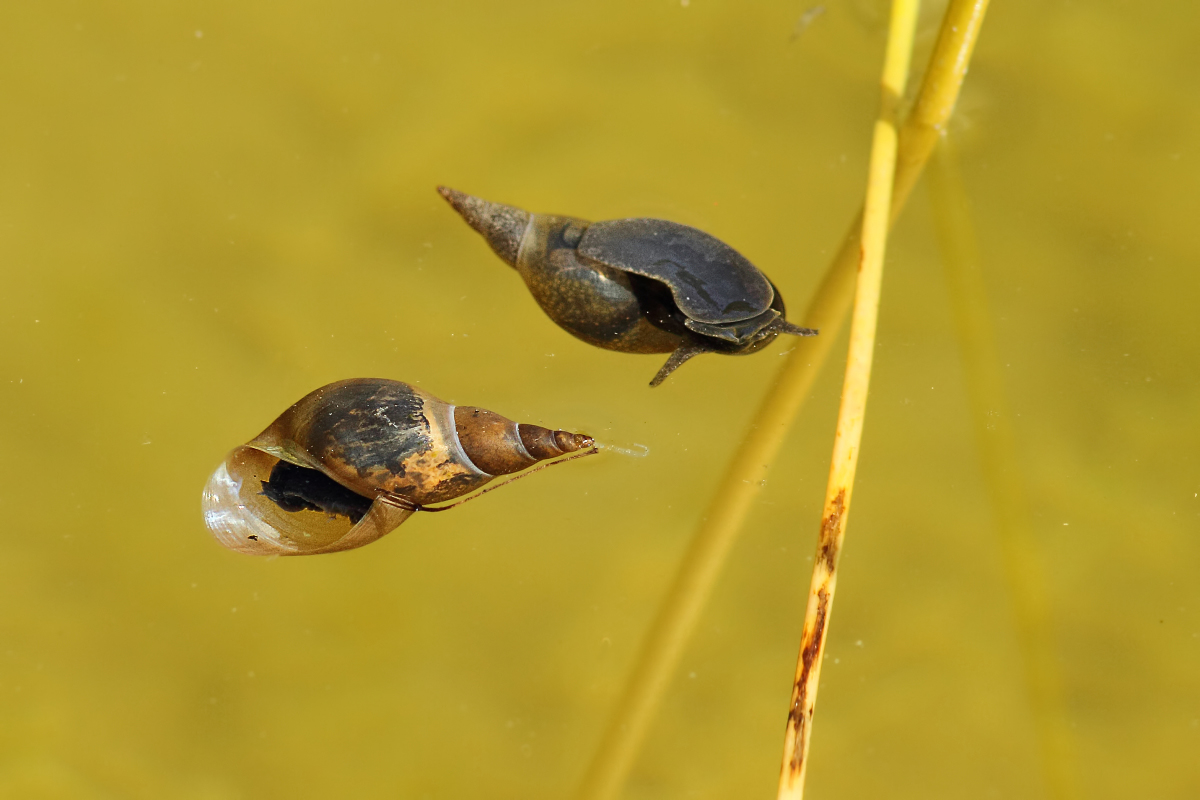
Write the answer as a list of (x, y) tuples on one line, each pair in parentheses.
[(635, 285), (351, 461)]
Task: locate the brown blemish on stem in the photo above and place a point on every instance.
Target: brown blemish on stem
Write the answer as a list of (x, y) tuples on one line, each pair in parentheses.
[(800, 714), (798, 718), (828, 544)]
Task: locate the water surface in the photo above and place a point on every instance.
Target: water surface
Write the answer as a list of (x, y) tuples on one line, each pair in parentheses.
[(207, 211)]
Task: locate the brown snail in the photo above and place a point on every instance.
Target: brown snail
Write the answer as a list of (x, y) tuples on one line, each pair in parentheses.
[(354, 459), (635, 285)]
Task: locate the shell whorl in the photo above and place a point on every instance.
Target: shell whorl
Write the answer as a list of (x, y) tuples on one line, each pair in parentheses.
[(499, 446)]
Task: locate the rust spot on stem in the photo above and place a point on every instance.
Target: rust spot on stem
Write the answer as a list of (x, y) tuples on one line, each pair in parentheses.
[(798, 717), (827, 544)]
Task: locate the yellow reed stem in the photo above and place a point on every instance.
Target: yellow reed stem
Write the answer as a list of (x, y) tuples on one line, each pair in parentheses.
[(1001, 468), (731, 501), (851, 414)]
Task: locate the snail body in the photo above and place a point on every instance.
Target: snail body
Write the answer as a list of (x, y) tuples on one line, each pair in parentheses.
[(352, 460), (635, 285)]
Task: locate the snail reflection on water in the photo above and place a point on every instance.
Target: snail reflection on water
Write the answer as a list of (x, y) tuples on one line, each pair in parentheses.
[(353, 460), (635, 285)]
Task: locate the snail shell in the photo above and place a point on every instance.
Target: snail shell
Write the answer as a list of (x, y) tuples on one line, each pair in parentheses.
[(635, 285), (354, 459)]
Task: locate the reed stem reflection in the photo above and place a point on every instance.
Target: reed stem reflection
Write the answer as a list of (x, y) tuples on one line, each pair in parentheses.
[(994, 436)]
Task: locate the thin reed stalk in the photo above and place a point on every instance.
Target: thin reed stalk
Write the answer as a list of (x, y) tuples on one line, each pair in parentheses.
[(1001, 469), (734, 495), (852, 413)]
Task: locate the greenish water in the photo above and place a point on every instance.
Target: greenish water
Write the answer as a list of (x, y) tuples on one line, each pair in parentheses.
[(208, 210)]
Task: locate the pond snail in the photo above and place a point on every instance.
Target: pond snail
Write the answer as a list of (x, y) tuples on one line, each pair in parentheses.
[(354, 459), (635, 285)]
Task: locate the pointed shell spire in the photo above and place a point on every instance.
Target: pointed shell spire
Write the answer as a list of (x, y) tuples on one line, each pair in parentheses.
[(502, 226)]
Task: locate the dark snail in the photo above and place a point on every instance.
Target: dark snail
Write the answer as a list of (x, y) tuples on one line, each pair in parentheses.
[(635, 285), (354, 459)]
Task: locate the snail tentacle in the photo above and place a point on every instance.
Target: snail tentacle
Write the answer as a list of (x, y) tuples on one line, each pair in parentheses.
[(684, 352), (783, 326)]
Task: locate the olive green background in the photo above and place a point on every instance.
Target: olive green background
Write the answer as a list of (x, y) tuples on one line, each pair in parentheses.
[(209, 209)]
